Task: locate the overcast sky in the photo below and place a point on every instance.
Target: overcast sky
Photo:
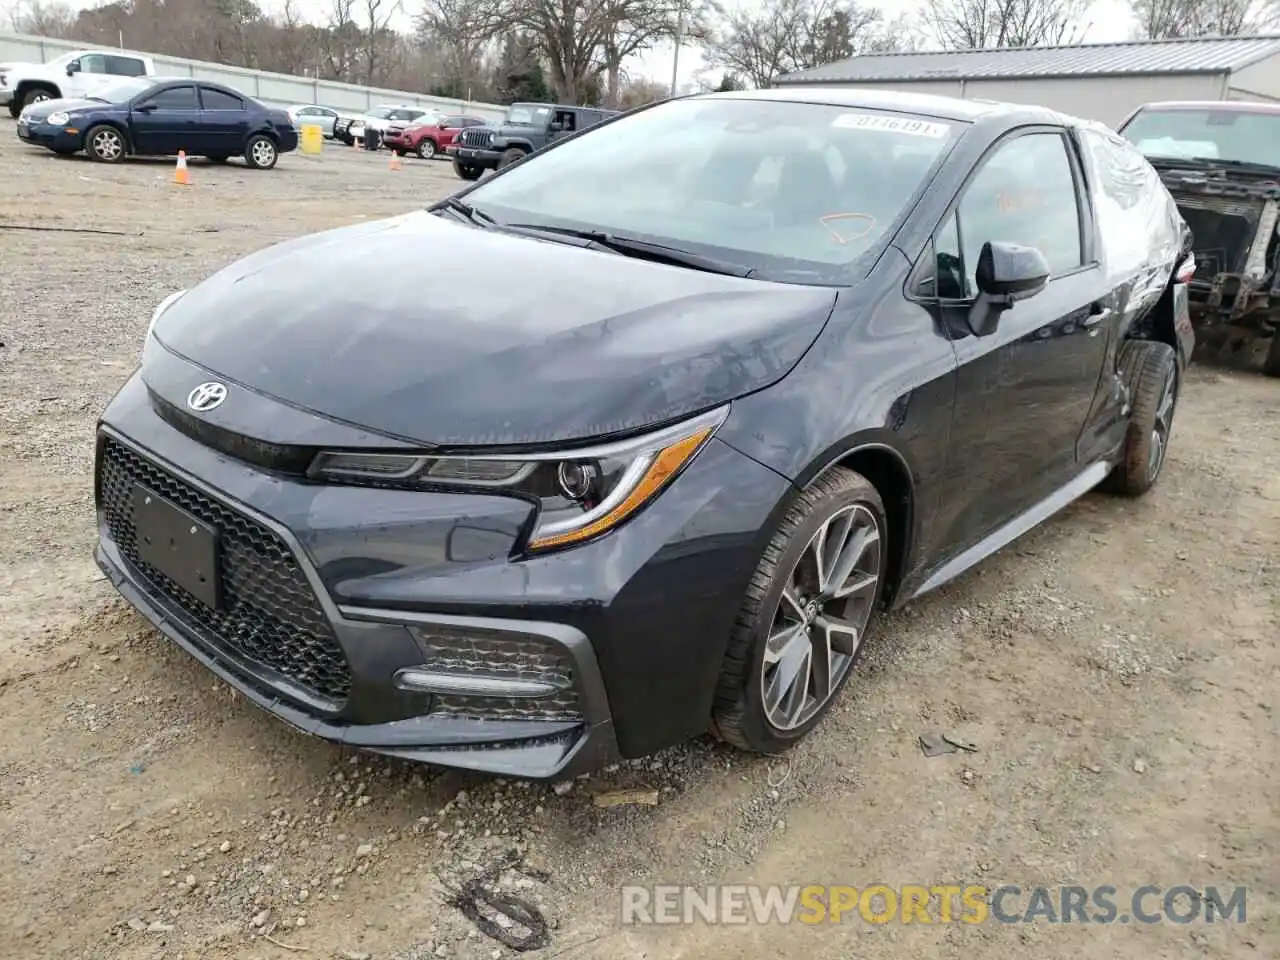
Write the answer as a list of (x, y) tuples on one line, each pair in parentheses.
[(1107, 20)]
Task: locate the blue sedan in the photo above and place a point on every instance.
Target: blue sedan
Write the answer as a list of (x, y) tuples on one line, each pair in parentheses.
[(150, 117)]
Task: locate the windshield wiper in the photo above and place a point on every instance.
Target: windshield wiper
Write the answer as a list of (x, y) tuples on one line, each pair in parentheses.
[(641, 249), (1241, 164), (477, 217)]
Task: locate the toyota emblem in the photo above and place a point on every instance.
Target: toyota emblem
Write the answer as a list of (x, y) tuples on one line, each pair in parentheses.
[(206, 396)]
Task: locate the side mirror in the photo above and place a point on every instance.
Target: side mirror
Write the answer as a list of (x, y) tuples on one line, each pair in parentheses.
[(73, 68), (1006, 273)]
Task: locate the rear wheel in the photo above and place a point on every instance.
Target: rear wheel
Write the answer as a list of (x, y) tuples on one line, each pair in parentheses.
[(261, 153), (1150, 371), (105, 144), (1271, 365), (806, 615), (426, 148)]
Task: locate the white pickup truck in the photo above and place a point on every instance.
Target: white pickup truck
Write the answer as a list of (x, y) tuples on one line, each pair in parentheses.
[(72, 75)]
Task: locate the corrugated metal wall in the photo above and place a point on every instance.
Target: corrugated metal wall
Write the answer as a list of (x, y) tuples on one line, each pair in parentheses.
[(275, 88)]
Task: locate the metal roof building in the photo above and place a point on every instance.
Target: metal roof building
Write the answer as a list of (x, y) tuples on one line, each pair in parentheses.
[(1103, 81)]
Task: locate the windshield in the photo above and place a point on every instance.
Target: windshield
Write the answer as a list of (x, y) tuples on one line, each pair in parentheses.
[(528, 115), (1207, 134), (793, 191), (118, 91)]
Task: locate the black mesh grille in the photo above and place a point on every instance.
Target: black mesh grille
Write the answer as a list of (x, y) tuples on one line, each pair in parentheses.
[(524, 658), (269, 613), (476, 137)]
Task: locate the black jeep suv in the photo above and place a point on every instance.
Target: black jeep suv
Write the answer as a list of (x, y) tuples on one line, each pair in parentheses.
[(526, 127), (1221, 162)]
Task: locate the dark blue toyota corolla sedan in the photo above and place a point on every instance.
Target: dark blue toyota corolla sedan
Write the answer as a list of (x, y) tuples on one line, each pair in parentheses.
[(696, 394), (144, 116)]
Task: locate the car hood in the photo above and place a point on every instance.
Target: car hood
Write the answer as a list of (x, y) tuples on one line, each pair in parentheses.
[(41, 110), (429, 330)]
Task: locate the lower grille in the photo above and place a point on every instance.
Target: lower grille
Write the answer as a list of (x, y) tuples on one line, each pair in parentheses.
[(270, 615), (482, 654)]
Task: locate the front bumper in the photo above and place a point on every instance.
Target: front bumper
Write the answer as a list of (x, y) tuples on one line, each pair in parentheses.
[(337, 591), (475, 155), (47, 135)]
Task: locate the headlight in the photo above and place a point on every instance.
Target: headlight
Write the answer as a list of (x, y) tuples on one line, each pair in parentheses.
[(58, 119), (493, 137), (165, 304), (581, 494)]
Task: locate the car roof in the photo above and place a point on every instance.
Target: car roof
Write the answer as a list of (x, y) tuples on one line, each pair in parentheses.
[(1231, 106), (926, 104)]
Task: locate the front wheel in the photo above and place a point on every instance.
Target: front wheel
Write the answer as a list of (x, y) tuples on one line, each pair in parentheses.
[(426, 148), (38, 95), (510, 156), (806, 615), (105, 144), (467, 171), (1150, 371), (15, 108), (261, 153)]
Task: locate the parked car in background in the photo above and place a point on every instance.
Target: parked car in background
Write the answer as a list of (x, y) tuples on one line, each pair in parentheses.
[(836, 349), (375, 121), (1221, 162), (525, 128), (151, 117), (430, 138), (314, 115), (80, 73)]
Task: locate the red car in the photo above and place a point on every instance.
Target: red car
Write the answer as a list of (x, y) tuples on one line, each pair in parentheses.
[(429, 139)]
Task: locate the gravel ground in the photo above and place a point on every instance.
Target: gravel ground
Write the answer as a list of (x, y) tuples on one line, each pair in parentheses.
[(1116, 669)]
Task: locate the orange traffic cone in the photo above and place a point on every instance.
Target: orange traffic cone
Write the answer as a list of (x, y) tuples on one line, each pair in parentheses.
[(395, 161), (180, 174)]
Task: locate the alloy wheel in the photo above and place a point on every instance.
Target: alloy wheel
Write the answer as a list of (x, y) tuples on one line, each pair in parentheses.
[(821, 617), (1163, 425), (107, 144), (426, 149), (263, 153)]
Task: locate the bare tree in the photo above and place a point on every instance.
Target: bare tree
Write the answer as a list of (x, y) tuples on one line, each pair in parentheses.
[(377, 32), (636, 25), (569, 35), (44, 19), (1170, 19), (974, 24), (459, 32), (782, 36)]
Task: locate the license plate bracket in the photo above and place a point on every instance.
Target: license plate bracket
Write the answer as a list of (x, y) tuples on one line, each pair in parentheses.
[(177, 544)]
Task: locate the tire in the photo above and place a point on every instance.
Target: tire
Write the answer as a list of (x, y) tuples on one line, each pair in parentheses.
[(15, 108), (467, 171), (1150, 371), (260, 152), (740, 714), (510, 156), (105, 144), (426, 148), (36, 94), (1271, 365)]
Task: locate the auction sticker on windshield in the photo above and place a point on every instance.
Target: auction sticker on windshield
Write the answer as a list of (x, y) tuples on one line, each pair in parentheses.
[(874, 121)]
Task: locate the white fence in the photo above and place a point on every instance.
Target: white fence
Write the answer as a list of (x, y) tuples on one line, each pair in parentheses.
[(275, 88)]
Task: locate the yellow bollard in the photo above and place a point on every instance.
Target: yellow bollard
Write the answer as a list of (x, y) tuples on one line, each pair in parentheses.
[(310, 138)]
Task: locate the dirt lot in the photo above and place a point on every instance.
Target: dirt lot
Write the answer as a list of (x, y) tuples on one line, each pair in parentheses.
[(1117, 671)]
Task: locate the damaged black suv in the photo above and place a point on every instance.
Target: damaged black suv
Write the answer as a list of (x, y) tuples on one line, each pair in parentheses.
[(1221, 162)]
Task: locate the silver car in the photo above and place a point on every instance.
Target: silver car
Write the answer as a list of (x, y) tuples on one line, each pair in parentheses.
[(313, 115)]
